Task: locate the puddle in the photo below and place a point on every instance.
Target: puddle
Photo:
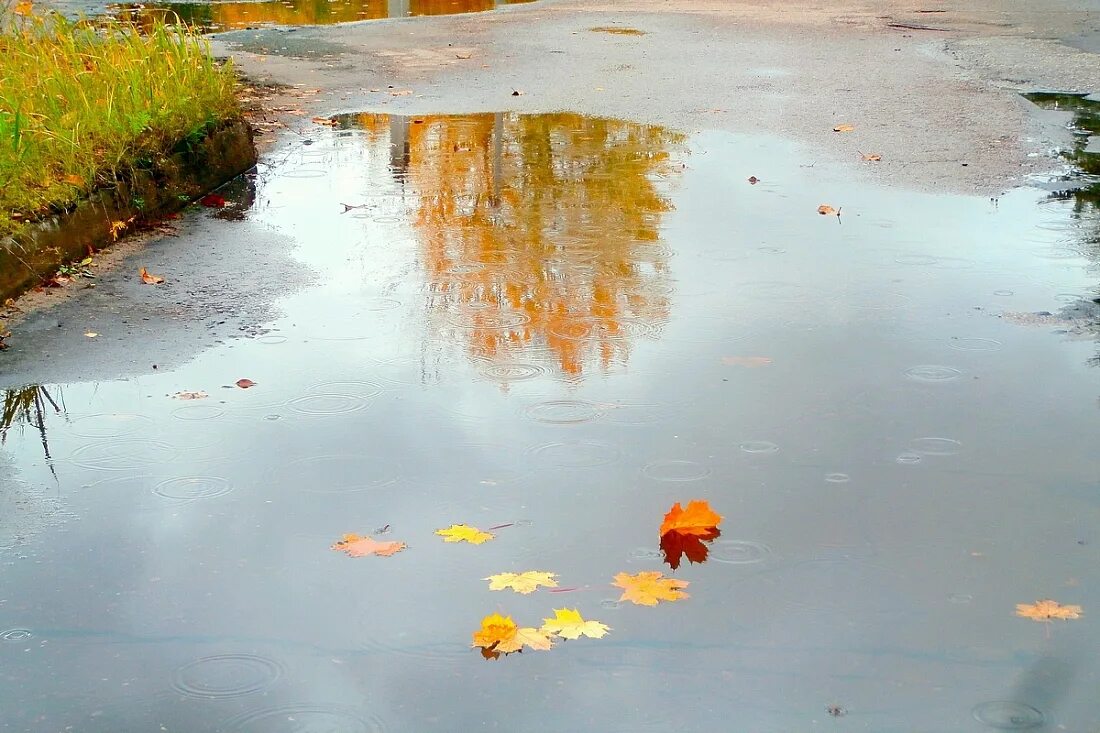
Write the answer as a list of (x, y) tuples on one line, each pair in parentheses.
[(556, 326), (220, 16)]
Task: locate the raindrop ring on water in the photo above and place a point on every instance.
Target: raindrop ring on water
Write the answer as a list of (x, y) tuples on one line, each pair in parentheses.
[(675, 470), (739, 552), (193, 488), (1007, 715), (226, 675), (14, 636)]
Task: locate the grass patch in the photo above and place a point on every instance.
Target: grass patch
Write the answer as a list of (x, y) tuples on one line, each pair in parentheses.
[(82, 104)]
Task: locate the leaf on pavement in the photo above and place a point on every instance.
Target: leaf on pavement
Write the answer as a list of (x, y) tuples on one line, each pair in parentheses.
[(873, 157), (149, 278), (524, 583), (464, 533), (358, 546), (569, 624), (844, 128), (1046, 610), (698, 518), (647, 588)]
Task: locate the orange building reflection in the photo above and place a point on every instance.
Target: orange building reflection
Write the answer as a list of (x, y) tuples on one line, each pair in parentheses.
[(539, 233)]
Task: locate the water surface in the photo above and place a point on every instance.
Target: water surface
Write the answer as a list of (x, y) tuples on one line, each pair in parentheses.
[(565, 324)]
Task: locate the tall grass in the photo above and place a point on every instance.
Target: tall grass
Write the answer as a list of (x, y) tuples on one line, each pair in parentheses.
[(81, 103)]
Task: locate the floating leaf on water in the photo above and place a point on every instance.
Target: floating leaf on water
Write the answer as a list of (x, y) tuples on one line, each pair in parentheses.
[(648, 588), (500, 635), (754, 180), (464, 533), (825, 210), (569, 624), (245, 383), (199, 395), (1047, 610), (359, 546), (527, 582), (697, 519)]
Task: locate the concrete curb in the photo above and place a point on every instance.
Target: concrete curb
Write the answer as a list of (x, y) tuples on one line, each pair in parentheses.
[(165, 186)]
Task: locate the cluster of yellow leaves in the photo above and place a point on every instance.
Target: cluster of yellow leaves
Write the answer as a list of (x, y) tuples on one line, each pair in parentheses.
[(501, 635), (358, 546), (524, 583), (464, 533), (647, 588)]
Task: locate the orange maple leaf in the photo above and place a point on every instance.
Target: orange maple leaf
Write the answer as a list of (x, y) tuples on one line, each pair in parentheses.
[(494, 630), (647, 588), (698, 518), (1046, 610), (357, 546)]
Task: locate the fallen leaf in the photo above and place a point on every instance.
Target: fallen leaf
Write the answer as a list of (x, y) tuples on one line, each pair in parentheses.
[(1046, 609), (213, 201), (529, 637), (74, 180), (844, 128), (463, 55), (245, 383), (401, 93), (91, 334), (698, 518), (569, 624), (463, 533), (746, 361), (494, 629), (754, 180), (357, 546), (676, 545), (200, 395), (875, 157), (524, 583), (825, 210), (150, 279), (647, 588), (517, 92)]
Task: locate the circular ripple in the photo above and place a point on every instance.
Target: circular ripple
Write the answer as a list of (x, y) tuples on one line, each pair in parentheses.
[(123, 455), (488, 320), (1007, 715), (739, 552), (335, 474), (271, 340), (759, 446), (564, 412), (226, 675), (908, 459), (198, 412), (604, 331), (14, 636), (837, 478), (512, 371), (305, 718), (576, 454), (327, 404), (932, 373), (646, 553), (109, 425), (975, 344), (304, 173), (935, 446), (354, 388), (675, 471), (1003, 293), (193, 488)]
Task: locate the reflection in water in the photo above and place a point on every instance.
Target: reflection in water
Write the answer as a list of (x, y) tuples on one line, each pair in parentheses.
[(25, 406), (227, 16), (677, 545), (539, 233)]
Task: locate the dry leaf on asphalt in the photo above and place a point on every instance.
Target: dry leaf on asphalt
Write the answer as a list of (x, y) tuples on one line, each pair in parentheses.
[(199, 395), (569, 624), (844, 128), (358, 546), (698, 518), (464, 533), (874, 157), (150, 279), (647, 588), (1046, 610), (527, 582)]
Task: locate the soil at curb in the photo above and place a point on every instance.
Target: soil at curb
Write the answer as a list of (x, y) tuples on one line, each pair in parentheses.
[(150, 192)]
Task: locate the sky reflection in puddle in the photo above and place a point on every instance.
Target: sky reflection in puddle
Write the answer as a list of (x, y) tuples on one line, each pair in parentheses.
[(565, 324)]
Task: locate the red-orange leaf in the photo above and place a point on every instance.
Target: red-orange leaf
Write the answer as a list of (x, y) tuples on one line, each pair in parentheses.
[(697, 519), (245, 383), (150, 279), (676, 544), (357, 546)]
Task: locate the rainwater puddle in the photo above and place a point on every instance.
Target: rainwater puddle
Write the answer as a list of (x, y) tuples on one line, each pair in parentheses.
[(218, 16), (554, 327)]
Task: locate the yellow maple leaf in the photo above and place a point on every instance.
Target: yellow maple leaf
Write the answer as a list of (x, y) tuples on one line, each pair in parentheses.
[(569, 624), (464, 533), (647, 588), (1046, 609), (528, 636), (494, 630), (525, 583)]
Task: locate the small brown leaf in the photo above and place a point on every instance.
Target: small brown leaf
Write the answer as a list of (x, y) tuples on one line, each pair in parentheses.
[(199, 395), (150, 279), (873, 157), (754, 180), (463, 55), (245, 383), (401, 93), (517, 92), (844, 128), (825, 210)]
